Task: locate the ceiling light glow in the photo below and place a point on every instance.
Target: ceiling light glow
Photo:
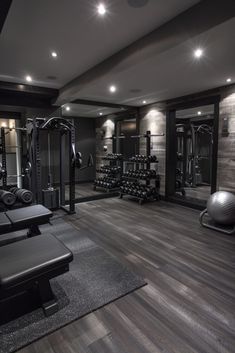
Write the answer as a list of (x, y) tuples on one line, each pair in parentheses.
[(28, 78), (112, 89), (199, 113), (228, 80), (144, 102), (67, 108), (54, 54), (198, 53), (101, 9), (100, 113)]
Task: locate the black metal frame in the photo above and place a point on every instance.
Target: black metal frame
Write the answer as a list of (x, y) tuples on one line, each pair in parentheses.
[(71, 202), (34, 135), (4, 158)]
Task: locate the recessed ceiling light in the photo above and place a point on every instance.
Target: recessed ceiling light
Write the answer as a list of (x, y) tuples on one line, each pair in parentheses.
[(28, 78), (100, 113), (112, 89), (144, 102), (54, 54), (67, 108), (228, 80), (198, 53), (199, 113), (101, 9)]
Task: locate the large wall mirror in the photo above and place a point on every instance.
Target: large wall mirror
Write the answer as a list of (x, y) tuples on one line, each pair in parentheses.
[(191, 153), (94, 141)]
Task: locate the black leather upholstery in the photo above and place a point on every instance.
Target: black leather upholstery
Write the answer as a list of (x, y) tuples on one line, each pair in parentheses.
[(5, 224), (31, 258), (9, 238), (36, 214)]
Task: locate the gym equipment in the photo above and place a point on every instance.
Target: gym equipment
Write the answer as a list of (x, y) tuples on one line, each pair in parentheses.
[(113, 156), (142, 174), (221, 210), (139, 191), (78, 160), (7, 197), (193, 156), (144, 159), (29, 265), (22, 195), (66, 130), (107, 183), (181, 164), (110, 170), (179, 182), (22, 218), (50, 198), (113, 171), (3, 172), (142, 171)]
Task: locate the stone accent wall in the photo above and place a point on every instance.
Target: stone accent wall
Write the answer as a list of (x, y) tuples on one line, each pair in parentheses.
[(104, 129), (154, 120), (226, 146)]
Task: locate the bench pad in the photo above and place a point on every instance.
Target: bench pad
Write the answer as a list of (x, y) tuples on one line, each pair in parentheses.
[(36, 213), (5, 224), (31, 258)]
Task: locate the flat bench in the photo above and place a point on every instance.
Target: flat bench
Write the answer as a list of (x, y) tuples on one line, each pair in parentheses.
[(29, 265), (26, 217)]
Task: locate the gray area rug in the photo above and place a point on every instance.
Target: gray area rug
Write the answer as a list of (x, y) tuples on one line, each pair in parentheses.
[(95, 279)]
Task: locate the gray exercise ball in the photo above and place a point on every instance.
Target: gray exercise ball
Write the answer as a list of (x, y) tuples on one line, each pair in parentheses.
[(221, 207)]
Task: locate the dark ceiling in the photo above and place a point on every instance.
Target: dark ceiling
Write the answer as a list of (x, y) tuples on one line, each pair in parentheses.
[(144, 48)]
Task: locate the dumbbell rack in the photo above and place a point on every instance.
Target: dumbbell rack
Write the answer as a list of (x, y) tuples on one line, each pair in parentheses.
[(4, 159), (114, 175), (144, 166)]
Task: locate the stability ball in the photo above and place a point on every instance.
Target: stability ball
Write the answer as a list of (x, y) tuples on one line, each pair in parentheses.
[(221, 207)]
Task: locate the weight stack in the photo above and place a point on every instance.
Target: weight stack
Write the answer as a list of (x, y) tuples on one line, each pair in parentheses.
[(50, 198)]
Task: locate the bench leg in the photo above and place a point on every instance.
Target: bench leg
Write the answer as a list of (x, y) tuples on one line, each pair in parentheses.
[(49, 303), (33, 231)]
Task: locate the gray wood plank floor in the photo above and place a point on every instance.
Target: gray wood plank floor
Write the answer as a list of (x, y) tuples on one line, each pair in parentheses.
[(83, 190), (188, 305)]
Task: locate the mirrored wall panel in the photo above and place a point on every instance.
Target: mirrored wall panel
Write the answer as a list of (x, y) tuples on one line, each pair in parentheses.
[(194, 141)]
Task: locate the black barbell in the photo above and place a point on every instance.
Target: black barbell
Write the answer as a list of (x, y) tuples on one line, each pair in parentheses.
[(27, 172)]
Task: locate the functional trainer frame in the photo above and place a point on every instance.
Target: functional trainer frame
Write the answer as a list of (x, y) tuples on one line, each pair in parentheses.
[(64, 127)]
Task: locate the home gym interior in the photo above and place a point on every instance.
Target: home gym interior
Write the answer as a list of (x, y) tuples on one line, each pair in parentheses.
[(117, 176)]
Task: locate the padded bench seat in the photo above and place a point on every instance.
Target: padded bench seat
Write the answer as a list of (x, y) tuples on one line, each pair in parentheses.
[(36, 214), (5, 223), (33, 262), (26, 217)]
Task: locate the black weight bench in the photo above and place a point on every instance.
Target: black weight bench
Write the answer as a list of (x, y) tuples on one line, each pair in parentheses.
[(22, 218), (29, 265)]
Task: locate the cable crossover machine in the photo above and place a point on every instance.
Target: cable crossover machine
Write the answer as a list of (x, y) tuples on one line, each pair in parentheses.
[(66, 131)]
